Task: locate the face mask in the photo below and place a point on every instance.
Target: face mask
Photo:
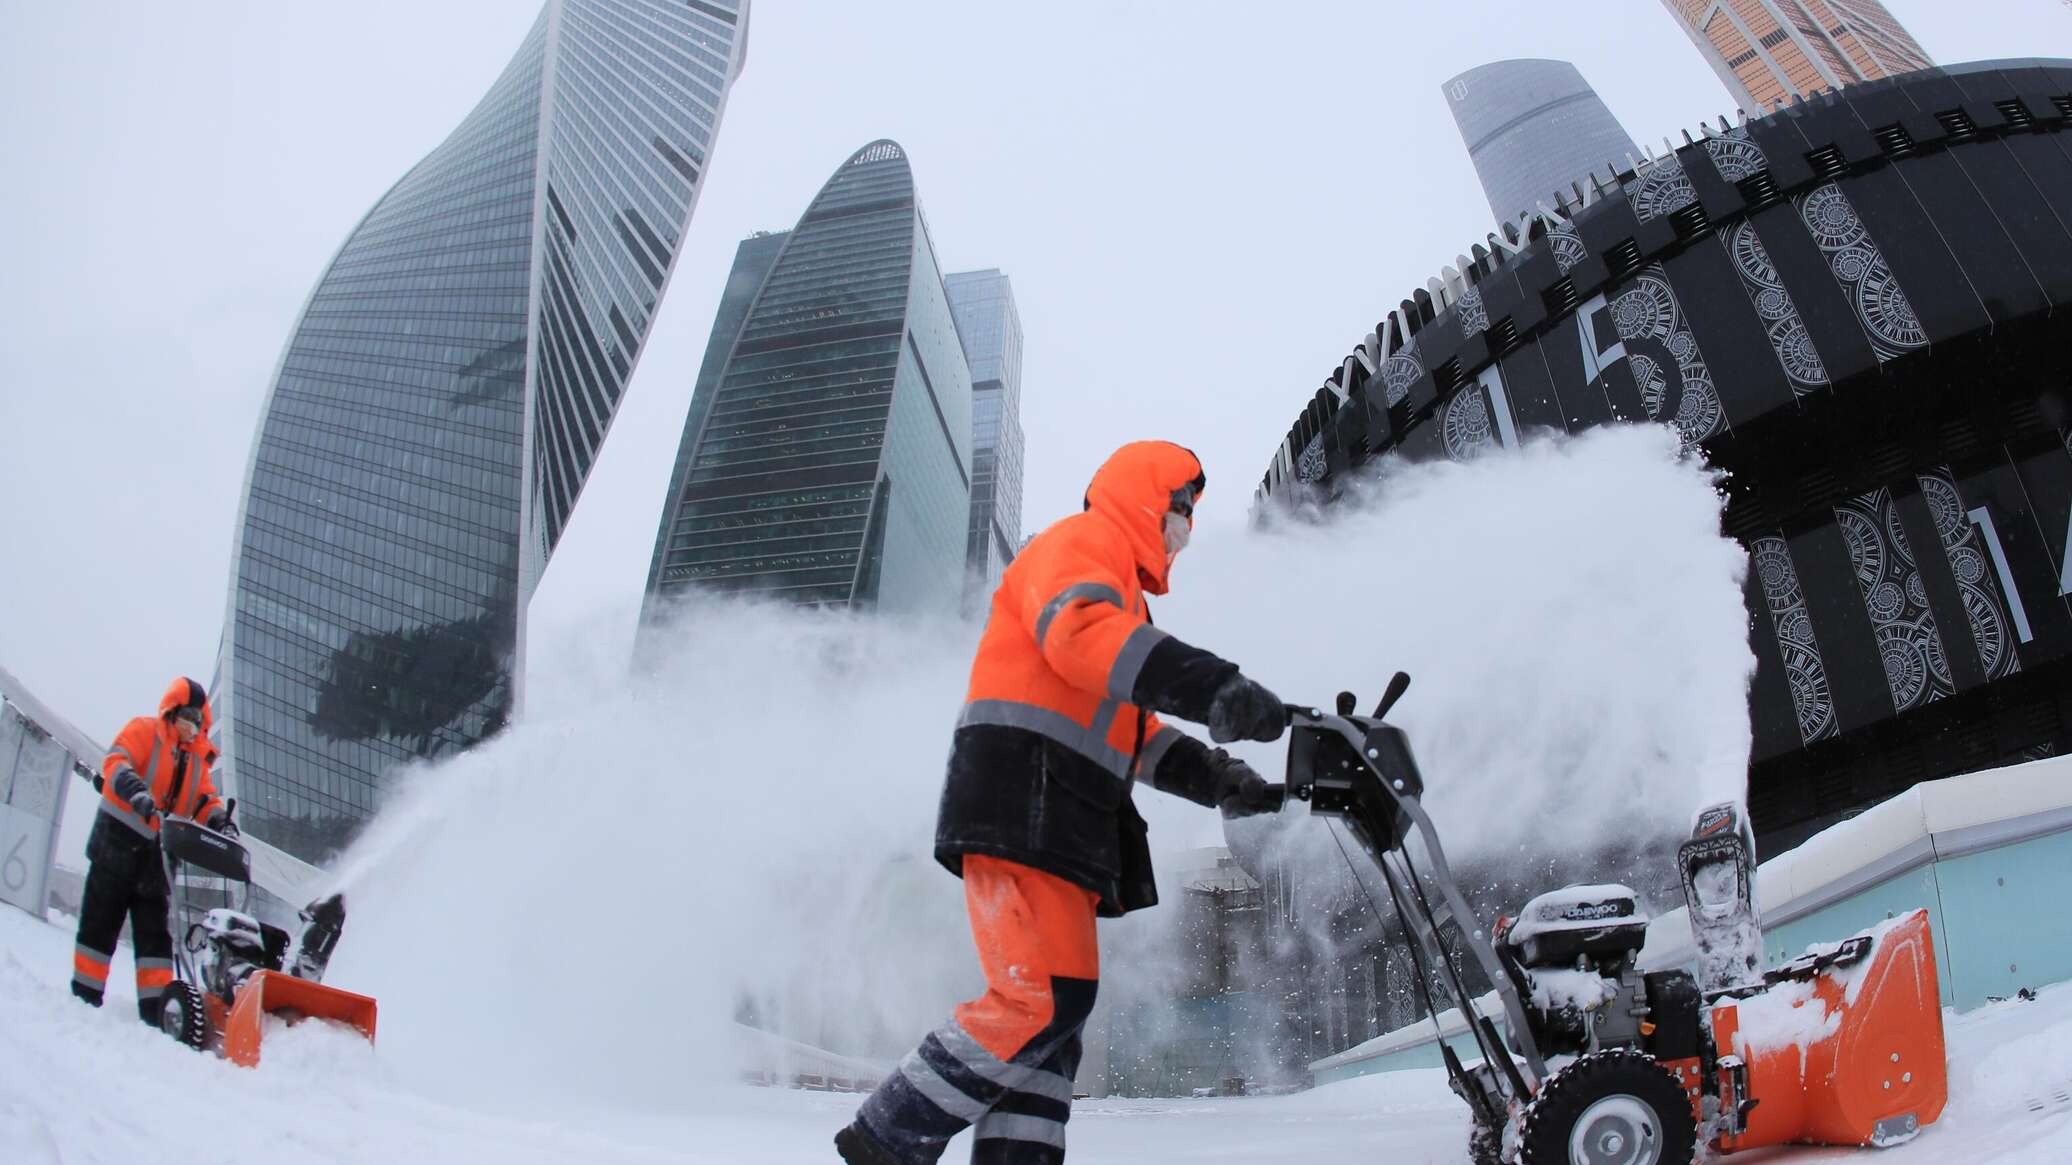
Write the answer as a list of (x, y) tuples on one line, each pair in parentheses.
[(1177, 530)]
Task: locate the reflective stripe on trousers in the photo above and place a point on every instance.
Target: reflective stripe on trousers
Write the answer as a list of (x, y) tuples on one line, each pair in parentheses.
[(90, 967)]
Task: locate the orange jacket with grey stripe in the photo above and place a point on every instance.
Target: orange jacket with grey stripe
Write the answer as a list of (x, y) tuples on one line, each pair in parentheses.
[(1059, 718), (146, 756)]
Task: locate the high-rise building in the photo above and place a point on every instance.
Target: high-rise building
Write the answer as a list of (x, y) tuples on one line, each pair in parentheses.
[(825, 458), (1767, 51), (440, 402), (991, 328), (1532, 128)]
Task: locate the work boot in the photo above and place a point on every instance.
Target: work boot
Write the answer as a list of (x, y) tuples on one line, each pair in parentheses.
[(86, 994), (151, 1011), (858, 1147)]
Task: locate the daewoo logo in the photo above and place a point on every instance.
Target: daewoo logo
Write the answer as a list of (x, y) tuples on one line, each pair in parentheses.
[(1590, 911)]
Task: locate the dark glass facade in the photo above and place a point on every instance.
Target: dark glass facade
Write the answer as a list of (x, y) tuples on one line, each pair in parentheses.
[(991, 330), (1855, 306), (825, 458), (1534, 128), (439, 406)]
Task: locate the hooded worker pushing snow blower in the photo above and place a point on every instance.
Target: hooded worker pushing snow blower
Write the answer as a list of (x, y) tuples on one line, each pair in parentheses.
[(165, 852), (1598, 1062), (1036, 813)]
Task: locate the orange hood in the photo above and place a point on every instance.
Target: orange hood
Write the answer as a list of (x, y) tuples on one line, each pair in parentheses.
[(182, 692), (1134, 489)]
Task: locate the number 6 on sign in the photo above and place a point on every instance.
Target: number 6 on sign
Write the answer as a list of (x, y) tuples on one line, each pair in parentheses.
[(14, 873)]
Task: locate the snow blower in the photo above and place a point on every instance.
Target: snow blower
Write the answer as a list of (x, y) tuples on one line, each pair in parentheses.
[(227, 964), (1599, 1062)]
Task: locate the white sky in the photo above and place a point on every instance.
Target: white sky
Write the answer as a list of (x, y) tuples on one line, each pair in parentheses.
[(1203, 207)]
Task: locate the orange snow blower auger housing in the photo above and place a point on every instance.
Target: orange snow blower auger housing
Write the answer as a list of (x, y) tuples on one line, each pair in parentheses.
[(1598, 1061), (1843, 1047), (228, 966)]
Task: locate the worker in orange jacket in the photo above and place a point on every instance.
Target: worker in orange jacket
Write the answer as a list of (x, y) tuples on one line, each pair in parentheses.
[(159, 764), (1036, 814)]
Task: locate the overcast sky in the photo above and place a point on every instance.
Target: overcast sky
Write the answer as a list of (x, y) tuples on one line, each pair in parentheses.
[(1203, 206)]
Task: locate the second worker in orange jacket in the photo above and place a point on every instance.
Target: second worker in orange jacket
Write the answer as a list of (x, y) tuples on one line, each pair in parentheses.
[(1036, 816)]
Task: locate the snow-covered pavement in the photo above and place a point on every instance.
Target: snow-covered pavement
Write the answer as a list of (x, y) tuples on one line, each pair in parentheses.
[(95, 1086)]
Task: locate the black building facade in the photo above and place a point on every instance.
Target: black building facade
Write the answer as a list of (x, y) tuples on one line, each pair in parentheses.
[(1859, 307)]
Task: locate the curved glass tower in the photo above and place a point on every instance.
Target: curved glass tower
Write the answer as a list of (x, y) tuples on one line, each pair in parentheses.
[(439, 405), (1533, 127), (826, 456)]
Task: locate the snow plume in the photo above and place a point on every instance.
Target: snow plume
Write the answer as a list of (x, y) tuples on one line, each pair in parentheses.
[(586, 905), (581, 909), (1570, 613)]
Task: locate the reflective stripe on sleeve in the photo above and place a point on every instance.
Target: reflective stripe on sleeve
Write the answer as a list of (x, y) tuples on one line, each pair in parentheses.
[(1015, 1126), (1155, 750), (1129, 662), (1091, 743), (1080, 592), (127, 816)]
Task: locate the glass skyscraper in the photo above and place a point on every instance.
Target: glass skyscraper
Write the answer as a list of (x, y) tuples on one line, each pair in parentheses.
[(991, 328), (1767, 51), (1533, 127), (440, 402), (826, 458)]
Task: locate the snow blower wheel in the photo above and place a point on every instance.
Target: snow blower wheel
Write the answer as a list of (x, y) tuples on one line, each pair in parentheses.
[(1609, 1108), (182, 1015)]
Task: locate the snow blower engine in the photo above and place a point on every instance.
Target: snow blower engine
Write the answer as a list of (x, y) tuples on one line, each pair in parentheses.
[(1599, 1062), (228, 965)]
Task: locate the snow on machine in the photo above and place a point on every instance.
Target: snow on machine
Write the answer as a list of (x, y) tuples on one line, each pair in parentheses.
[(1609, 1065), (228, 965)]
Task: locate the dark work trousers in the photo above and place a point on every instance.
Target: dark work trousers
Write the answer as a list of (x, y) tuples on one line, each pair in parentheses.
[(124, 879), (1004, 1064)]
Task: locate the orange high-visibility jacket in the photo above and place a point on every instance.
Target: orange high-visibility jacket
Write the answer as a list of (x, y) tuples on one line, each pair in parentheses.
[(1059, 717), (149, 750)]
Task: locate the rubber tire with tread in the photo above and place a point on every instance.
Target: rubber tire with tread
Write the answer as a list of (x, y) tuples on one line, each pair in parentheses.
[(1552, 1115), (184, 1017)]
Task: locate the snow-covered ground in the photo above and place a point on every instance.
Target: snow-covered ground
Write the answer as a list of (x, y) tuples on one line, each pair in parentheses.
[(80, 1086)]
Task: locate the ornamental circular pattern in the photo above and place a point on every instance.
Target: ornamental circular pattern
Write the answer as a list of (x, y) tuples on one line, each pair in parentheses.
[(1773, 568), (1986, 630), (1698, 413), (1773, 304), (1932, 650), (1968, 565), (1885, 309), (1568, 247), (1831, 219), (1896, 531), (1311, 466), (1795, 626), (1736, 158), (1866, 552), (1906, 669), (1752, 259), (1885, 601), (1653, 384), (1853, 263), (1683, 346), (1398, 373), (1917, 591), (1794, 346), (1473, 316), (1811, 701), (1947, 509), (1466, 427)]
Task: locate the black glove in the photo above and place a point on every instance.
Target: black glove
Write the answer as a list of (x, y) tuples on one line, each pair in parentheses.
[(1242, 710), (143, 806), (220, 822), (1240, 790)]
